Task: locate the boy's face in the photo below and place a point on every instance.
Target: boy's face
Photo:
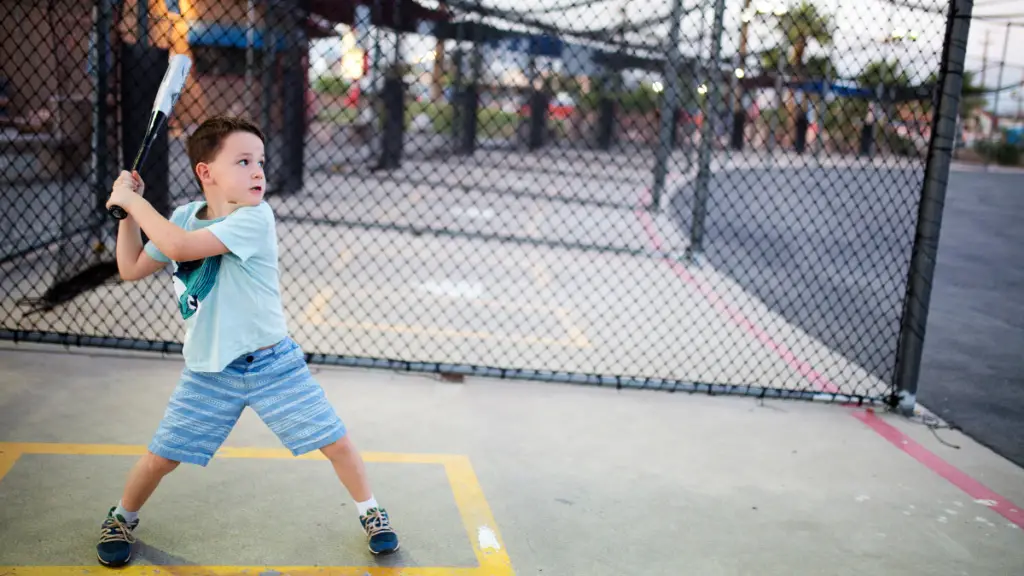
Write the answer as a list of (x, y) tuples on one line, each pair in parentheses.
[(236, 174)]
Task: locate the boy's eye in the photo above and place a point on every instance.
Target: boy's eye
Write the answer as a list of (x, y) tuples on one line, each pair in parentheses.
[(243, 162)]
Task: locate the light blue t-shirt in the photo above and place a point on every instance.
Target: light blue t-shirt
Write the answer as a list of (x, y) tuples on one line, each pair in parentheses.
[(231, 304)]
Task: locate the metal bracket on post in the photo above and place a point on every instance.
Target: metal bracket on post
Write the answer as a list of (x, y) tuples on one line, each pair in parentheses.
[(669, 103), (929, 217), (700, 200)]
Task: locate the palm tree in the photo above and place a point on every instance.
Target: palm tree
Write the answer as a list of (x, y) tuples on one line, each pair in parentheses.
[(799, 27), (884, 73)]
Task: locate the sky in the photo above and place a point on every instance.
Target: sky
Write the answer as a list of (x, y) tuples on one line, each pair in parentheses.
[(861, 27)]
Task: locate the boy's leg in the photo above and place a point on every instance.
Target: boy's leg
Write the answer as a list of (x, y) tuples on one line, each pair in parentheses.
[(201, 413), (142, 481), (294, 407), (349, 466)]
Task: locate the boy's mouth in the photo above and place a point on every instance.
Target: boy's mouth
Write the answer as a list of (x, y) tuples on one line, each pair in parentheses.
[(256, 189)]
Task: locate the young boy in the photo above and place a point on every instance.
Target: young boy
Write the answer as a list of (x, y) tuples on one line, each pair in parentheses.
[(237, 349)]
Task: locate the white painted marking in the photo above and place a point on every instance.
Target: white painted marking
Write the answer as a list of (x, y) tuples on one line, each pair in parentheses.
[(906, 513), (862, 498), (1013, 526), (985, 502), (487, 538), (958, 503), (459, 289), (473, 212), (942, 519), (983, 520), (950, 512)]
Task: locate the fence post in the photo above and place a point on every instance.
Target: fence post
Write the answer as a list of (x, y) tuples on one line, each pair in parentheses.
[(933, 196), (101, 87), (707, 133), (669, 103)]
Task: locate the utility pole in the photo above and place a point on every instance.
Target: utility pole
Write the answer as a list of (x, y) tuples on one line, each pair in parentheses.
[(999, 83), (984, 59)]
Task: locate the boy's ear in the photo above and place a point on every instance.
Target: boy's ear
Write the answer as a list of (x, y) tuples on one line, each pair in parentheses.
[(203, 172)]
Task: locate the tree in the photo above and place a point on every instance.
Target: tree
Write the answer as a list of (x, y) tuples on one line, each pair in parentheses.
[(883, 72), (799, 27)]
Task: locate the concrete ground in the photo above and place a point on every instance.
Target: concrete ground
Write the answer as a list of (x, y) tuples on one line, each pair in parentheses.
[(497, 477), (513, 261)]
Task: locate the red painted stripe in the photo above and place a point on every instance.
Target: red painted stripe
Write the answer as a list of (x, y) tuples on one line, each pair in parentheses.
[(954, 475), (816, 379)]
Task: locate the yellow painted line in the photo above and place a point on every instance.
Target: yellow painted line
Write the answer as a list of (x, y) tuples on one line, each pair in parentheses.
[(532, 226), (540, 273), (418, 330), (576, 336), (8, 456), (477, 518), (407, 295), (145, 570), (62, 449), (475, 512), (344, 257), (314, 311)]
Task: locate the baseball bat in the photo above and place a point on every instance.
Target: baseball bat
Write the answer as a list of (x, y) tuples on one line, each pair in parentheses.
[(166, 97)]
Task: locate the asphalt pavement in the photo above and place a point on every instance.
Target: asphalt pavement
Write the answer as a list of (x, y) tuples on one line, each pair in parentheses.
[(828, 250), (972, 373)]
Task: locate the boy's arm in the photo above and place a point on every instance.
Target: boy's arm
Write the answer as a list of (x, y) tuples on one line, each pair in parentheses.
[(133, 263), (172, 240)]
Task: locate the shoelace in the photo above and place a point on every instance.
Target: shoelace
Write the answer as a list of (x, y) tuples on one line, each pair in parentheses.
[(114, 530), (376, 523)]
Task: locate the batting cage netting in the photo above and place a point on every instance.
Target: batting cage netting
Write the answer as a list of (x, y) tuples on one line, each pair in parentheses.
[(711, 195)]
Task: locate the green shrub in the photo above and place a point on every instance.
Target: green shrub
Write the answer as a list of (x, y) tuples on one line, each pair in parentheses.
[(331, 85)]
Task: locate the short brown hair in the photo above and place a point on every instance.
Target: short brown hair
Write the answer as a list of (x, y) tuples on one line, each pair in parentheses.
[(204, 144)]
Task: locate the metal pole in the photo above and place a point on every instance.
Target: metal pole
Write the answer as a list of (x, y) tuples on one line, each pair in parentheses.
[(738, 114), (773, 124), (826, 90), (999, 83), (143, 23), (250, 46), (100, 139), (929, 217), (668, 107), (700, 201)]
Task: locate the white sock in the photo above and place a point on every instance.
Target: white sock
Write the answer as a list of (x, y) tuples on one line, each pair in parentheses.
[(128, 516), (364, 506)]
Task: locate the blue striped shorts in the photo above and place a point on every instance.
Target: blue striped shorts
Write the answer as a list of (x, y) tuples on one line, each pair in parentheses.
[(275, 382)]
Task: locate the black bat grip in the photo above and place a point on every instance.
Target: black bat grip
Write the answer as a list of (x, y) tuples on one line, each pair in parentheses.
[(118, 213)]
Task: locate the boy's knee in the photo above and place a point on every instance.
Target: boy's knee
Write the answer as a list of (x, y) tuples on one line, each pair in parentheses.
[(338, 449), (159, 464)]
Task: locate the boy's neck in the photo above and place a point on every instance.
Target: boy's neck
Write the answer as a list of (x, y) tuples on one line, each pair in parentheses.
[(216, 208)]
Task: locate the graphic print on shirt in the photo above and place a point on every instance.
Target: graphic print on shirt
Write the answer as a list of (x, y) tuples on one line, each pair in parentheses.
[(193, 282)]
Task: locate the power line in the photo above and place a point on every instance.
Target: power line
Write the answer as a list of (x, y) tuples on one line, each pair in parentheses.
[(997, 16), (563, 7)]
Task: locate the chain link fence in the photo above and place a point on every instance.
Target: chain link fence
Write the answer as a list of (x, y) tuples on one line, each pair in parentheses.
[(716, 195)]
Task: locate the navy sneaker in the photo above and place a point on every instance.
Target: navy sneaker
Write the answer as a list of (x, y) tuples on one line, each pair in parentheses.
[(116, 539), (382, 538)]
